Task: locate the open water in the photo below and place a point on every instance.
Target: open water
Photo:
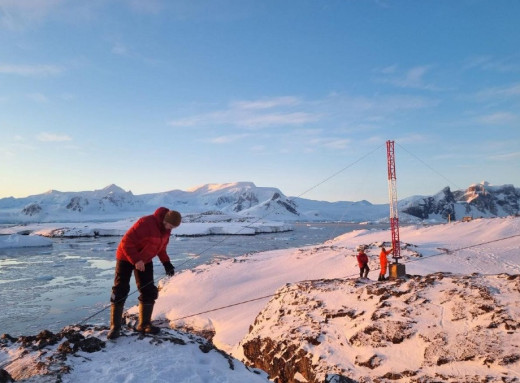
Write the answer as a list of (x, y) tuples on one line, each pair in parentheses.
[(52, 287)]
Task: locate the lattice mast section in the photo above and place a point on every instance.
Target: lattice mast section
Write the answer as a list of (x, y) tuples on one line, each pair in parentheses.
[(392, 193)]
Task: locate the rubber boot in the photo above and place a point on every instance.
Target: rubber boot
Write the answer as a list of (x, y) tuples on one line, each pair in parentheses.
[(145, 315), (366, 274), (116, 317)]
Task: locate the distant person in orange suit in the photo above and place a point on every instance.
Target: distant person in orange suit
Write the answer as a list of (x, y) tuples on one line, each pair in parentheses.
[(383, 260)]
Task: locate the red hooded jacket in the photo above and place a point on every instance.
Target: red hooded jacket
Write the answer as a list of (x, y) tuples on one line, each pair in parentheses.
[(362, 259), (145, 239)]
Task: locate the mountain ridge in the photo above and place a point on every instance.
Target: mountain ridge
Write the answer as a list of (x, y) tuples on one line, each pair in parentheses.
[(478, 200), (245, 199)]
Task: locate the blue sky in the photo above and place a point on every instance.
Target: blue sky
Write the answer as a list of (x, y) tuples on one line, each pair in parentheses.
[(301, 95)]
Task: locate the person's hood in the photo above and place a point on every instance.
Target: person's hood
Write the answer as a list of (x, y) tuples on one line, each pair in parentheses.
[(159, 215)]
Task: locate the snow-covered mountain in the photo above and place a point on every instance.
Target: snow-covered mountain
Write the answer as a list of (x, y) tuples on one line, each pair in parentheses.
[(111, 202), (240, 199), (479, 200), (245, 199)]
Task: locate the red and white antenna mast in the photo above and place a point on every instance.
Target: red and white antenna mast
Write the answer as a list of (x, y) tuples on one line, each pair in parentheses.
[(392, 192)]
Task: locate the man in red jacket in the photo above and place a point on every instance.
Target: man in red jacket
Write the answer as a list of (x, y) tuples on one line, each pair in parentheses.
[(147, 238), (362, 259)]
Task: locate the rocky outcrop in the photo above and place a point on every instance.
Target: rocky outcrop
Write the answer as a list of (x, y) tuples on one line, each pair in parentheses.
[(479, 200), (32, 209), (111, 199), (245, 201), (49, 357), (77, 203), (34, 351), (283, 203), (443, 205), (411, 330)]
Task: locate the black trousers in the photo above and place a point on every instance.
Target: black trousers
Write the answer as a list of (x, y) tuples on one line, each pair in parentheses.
[(143, 279), (364, 270)]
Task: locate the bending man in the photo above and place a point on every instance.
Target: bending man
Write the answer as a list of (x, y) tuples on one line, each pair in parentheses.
[(147, 238)]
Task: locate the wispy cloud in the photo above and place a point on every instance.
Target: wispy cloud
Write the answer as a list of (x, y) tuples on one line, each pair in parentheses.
[(267, 103), (252, 115), (22, 14), (147, 6), (38, 97), (294, 112), (53, 137), (119, 49), (506, 156), (331, 143), (125, 50), (512, 90), (499, 118), (414, 138), (276, 119), (490, 63), (226, 139), (412, 78), (389, 69), (18, 14), (31, 70), (67, 96), (328, 124), (257, 148)]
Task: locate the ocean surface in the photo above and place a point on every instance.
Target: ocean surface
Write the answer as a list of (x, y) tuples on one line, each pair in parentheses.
[(52, 287)]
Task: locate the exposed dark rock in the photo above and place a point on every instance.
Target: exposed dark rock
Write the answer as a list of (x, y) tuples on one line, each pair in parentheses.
[(373, 362), (476, 201), (509, 359), (280, 359), (333, 378), (245, 201), (32, 209), (46, 356), (442, 204), (91, 344), (5, 377), (291, 338)]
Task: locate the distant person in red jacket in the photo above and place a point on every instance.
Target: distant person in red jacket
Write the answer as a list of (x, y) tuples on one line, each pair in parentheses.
[(147, 238), (383, 260), (362, 259)]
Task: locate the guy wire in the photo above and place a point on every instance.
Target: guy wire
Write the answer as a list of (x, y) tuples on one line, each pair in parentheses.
[(349, 276), (243, 228)]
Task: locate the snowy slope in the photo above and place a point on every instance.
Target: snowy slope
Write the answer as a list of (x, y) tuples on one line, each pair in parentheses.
[(430, 326), (83, 354)]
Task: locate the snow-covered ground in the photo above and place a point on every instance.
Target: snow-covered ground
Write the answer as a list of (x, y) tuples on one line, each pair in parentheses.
[(250, 277), (224, 298)]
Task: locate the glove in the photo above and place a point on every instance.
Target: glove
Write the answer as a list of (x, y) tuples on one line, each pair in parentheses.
[(169, 269)]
